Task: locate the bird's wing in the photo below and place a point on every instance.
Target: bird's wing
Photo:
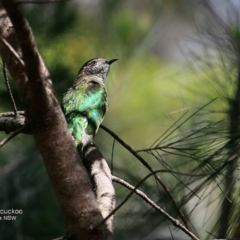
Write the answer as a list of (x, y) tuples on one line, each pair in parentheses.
[(77, 124), (88, 101), (84, 98)]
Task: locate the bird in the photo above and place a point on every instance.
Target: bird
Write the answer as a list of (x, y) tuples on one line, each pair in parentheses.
[(85, 103)]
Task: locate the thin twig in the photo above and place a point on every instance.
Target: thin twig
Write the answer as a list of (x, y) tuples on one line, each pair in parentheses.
[(150, 169), (113, 145), (11, 114), (153, 204), (9, 89), (148, 200), (11, 49), (10, 136)]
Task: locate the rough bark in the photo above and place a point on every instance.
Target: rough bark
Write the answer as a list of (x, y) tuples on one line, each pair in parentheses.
[(10, 124), (48, 126), (101, 178), (14, 66)]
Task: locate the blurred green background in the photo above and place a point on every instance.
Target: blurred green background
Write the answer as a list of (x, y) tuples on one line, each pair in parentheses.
[(160, 75)]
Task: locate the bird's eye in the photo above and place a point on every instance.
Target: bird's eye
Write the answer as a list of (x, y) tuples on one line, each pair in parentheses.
[(93, 62)]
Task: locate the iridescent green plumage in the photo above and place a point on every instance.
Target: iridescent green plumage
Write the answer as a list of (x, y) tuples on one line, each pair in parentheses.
[(85, 104)]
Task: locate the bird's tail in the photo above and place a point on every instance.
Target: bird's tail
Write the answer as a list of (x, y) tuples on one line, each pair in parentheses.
[(77, 125)]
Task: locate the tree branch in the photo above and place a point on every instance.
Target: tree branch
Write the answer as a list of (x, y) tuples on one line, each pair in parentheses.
[(49, 128), (11, 114), (11, 53), (141, 194), (151, 170), (8, 88), (11, 124), (12, 135), (102, 181)]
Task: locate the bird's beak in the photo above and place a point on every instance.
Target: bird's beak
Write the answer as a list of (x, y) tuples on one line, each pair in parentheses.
[(111, 61)]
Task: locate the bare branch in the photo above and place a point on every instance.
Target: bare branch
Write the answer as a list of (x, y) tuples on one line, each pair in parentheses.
[(9, 89), (11, 49), (11, 114), (149, 201), (12, 135), (11, 53), (12, 123), (150, 169), (102, 181)]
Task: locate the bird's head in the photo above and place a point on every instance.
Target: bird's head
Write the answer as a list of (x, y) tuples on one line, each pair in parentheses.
[(96, 66)]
